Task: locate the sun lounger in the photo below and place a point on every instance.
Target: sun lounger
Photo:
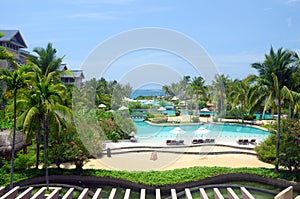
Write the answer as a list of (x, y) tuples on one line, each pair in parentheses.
[(200, 141), (253, 141), (180, 142), (240, 141), (194, 141), (246, 141), (172, 142), (206, 140)]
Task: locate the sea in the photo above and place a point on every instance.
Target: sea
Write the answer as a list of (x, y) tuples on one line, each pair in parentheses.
[(147, 92)]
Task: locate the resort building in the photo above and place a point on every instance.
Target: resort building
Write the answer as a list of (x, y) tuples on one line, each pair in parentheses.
[(14, 43), (74, 77)]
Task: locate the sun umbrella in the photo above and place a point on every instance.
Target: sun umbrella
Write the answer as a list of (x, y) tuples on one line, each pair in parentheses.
[(201, 131), (177, 131), (205, 110), (161, 109), (122, 108), (102, 106), (174, 98), (132, 133)]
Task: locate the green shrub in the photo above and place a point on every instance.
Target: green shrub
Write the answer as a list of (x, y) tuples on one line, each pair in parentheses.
[(266, 150), (24, 161), (195, 119)]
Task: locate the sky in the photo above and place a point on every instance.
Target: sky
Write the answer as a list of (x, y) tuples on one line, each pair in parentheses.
[(233, 33)]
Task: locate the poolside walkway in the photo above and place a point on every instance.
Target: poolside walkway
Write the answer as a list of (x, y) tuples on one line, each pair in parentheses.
[(173, 158)]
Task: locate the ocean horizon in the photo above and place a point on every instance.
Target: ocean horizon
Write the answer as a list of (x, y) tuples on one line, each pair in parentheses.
[(147, 92)]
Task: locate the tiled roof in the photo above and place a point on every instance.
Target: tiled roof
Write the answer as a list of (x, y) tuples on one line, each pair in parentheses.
[(75, 73), (13, 36)]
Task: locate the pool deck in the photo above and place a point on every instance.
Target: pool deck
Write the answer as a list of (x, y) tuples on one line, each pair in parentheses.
[(167, 158), (135, 156)]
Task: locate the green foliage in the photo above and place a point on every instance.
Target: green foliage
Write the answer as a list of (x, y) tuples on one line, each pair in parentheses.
[(246, 117), (290, 145), (69, 148), (158, 118), (154, 178), (24, 161), (266, 150), (195, 119), (6, 122)]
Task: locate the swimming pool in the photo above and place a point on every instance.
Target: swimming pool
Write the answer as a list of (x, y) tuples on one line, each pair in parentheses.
[(220, 132)]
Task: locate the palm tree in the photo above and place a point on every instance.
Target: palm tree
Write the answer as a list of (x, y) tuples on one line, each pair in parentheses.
[(198, 88), (31, 118), (220, 87), (272, 84), (52, 107), (14, 81), (239, 90), (47, 60)]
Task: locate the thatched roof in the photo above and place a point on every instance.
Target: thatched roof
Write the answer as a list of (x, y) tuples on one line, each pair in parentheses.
[(6, 141)]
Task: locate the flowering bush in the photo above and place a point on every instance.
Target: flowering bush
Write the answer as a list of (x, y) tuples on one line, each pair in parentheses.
[(68, 147), (289, 156), (76, 153)]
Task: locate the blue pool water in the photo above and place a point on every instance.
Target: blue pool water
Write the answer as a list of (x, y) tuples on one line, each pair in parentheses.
[(220, 132)]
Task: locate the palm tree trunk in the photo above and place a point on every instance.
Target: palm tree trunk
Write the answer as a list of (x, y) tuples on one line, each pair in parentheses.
[(278, 135), (197, 104), (46, 129), (243, 112), (13, 142), (38, 142)]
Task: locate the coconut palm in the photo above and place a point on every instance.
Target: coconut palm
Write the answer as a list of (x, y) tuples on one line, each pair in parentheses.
[(47, 60), (14, 81), (55, 113), (238, 92), (198, 88), (220, 88), (272, 84)]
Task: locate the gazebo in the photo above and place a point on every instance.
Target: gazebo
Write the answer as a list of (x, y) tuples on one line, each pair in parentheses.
[(6, 142)]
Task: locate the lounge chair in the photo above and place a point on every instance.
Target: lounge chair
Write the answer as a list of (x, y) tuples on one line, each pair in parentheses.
[(168, 142), (206, 140), (180, 142), (253, 141), (200, 141), (240, 141), (246, 141), (194, 141), (173, 142), (212, 141)]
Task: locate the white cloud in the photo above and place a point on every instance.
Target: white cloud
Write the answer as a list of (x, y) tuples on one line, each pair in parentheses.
[(292, 2), (98, 15)]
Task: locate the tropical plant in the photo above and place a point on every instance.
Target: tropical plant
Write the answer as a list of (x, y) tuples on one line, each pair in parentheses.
[(273, 78), (198, 88), (219, 90), (47, 60), (238, 91), (14, 81)]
